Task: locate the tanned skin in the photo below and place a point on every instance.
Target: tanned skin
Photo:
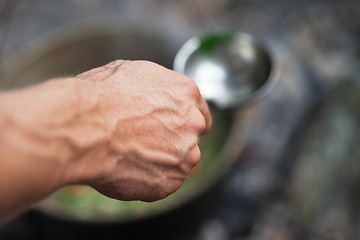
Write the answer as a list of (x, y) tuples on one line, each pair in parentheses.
[(129, 129)]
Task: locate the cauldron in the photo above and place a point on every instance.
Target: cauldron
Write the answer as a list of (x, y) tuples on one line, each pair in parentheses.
[(82, 46)]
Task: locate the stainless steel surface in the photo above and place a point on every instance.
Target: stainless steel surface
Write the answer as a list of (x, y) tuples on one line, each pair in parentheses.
[(234, 74)]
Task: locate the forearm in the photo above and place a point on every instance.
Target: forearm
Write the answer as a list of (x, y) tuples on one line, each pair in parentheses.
[(35, 143), (24, 178)]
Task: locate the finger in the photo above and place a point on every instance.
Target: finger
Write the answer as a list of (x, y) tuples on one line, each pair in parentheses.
[(193, 157), (202, 106), (204, 109)]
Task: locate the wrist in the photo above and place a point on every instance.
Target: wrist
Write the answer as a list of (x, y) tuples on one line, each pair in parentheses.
[(75, 119)]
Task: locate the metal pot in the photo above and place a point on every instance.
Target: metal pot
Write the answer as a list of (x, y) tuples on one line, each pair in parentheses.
[(83, 46)]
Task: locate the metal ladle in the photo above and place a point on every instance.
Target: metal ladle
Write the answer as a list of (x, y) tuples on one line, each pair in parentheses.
[(231, 69)]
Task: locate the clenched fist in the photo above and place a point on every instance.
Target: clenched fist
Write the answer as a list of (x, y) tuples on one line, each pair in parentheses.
[(129, 129), (151, 119)]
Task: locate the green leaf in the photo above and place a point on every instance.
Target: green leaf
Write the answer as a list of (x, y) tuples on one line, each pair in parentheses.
[(210, 41)]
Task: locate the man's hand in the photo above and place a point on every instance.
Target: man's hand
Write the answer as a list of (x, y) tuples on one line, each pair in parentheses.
[(129, 129), (152, 118)]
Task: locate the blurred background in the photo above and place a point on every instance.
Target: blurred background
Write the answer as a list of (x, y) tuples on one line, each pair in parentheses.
[(298, 176)]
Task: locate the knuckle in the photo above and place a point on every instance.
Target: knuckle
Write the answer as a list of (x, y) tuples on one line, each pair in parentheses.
[(165, 190), (202, 124), (194, 156), (198, 122), (191, 88), (171, 188)]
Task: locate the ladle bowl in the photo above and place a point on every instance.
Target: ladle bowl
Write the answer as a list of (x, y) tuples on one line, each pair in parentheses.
[(230, 69)]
